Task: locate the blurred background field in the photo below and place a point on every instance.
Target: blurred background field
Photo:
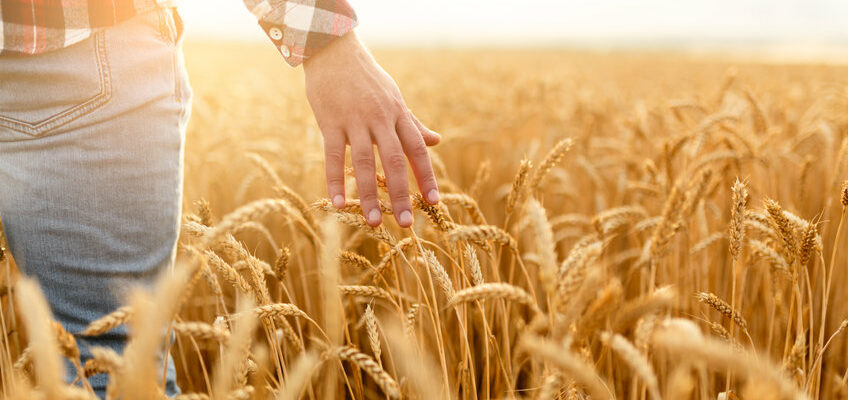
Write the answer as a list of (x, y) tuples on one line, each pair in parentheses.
[(620, 272), (666, 105), (495, 104), (642, 122)]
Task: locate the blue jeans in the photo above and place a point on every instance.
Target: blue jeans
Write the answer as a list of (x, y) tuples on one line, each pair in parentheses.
[(91, 161)]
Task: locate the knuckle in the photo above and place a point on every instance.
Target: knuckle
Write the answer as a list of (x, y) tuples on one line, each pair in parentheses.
[(377, 113), (368, 197), (334, 155), (400, 200), (428, 179), (362, 159), (331, 129), (398, 107), (414, 120), (396, 162), (419, 151), (335, 180)]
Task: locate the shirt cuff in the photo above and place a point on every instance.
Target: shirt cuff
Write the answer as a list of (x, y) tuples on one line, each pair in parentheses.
[(301, 28)]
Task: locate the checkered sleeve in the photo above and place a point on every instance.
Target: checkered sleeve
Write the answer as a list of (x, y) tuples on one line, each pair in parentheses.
[(300, 28)]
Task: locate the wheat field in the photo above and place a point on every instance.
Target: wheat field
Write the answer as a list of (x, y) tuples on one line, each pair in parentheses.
[(628, 226)]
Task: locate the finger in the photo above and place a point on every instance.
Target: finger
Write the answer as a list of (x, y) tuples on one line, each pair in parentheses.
[(394, 165), (362, 155), (334, 159), (415, 148), (430, 138)]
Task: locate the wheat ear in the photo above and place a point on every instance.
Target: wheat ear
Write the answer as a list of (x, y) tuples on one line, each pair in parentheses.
[(108, 322), (367, 364), (494, 291), (721, 306), (638, 362)]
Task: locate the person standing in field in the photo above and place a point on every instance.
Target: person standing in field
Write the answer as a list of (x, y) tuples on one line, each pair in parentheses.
[(94, 101)]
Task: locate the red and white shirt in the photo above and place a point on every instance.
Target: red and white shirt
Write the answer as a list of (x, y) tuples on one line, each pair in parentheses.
[(298, 28)]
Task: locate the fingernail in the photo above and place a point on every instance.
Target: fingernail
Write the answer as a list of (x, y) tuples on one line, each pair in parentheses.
[(338, 201), (374, 217), (405, 218), (433, 196)]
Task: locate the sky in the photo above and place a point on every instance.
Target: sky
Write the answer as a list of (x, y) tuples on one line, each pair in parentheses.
[(618, 23)]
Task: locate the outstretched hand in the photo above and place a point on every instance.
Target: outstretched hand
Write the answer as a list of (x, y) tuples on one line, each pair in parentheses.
[(357, 103)]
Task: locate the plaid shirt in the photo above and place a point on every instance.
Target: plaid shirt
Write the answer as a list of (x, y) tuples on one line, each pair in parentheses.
[(298, 28)]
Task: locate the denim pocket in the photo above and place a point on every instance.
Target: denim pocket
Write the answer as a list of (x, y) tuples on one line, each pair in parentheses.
[(42, 93), (170, 26), (171, 31)]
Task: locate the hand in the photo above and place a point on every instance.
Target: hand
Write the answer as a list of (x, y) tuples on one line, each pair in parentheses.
[(356, 103)]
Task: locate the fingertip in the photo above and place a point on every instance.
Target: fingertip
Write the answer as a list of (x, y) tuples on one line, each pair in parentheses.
[(339, 201), (433, 196), (374, 217), (405, 219)]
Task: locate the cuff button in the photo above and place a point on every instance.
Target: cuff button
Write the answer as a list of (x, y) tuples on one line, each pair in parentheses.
[(285, 50), (275, 33)]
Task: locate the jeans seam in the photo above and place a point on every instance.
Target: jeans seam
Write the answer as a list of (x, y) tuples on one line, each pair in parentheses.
[(163, 27), (65, 117), (168, 35), (177, 92)]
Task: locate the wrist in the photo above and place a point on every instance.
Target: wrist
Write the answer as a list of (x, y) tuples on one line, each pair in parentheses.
[(344, 46)]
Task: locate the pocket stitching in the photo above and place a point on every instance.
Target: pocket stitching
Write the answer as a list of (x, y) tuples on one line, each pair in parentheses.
[(167, 30), (63, 118)]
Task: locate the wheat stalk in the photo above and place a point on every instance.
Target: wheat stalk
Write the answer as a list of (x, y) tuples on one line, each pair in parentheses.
[(737, 215), (249, 212), (554, 157), (103, 360), (373, 333), (412, 316), (357, 221), (474, 265), (352, 206), (774, 258), (568, 362), (229, 273), (278, 310), (844, 194), (367, 364), (433, 213), (611, 220), (281, 265), (781, 224), (365, 291), (518, 185), (722, 307), (638, 362), (438, 271), (723, 356), (202, 331), (494, 291), (45, 354), (481, 234), (707, 242), (466, 202), (108, 322), (356, 261), (545, 244)]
